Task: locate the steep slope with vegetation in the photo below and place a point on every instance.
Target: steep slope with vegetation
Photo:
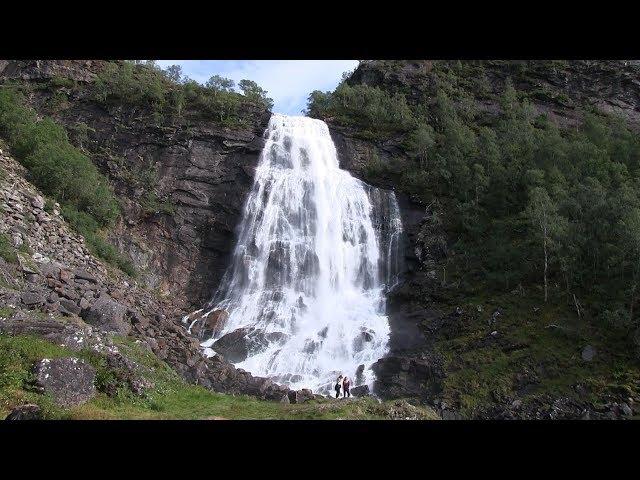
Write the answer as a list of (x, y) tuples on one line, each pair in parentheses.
[(179, 157), (526, 250)]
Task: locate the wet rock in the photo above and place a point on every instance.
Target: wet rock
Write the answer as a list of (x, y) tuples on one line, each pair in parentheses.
[(400, 376), (28, 411), (234, 346), (360, 391), (237, 345), (360, 341), (69, 380), (215, 320), (108, 315), (300, 396)]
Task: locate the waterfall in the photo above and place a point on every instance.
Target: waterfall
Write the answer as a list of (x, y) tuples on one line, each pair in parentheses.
[(316, 253)]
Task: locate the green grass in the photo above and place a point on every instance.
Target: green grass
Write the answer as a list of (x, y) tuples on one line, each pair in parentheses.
[(169, 398)]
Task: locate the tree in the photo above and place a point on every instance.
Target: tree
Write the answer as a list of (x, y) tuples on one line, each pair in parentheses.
[(254, 92), (318, 104), (220, 84), (543, 214), (173, 73), (420, 142)]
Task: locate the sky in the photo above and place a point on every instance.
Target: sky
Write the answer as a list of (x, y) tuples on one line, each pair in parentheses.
[(288, 82)]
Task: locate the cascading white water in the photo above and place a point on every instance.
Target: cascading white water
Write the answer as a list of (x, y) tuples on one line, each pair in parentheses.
[(313, 262)]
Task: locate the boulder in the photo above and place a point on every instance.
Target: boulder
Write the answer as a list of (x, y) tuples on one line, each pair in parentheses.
[(69, 380), (588, 353), (360, 391), (69, 307), (32, 298), (300, 396), (360, 373), (108, 315), (215, 320), (234, 346), (28, 411), (237, 345), (84, 275)]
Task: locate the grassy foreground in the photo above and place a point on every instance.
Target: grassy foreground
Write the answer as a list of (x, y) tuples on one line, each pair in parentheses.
[(169, 398)]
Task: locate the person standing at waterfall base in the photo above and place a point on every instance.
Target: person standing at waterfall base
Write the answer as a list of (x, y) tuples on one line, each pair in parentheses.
[(338, 386), (346, 383)]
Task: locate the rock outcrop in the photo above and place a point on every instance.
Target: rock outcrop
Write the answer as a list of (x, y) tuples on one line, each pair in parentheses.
[(69, 381)]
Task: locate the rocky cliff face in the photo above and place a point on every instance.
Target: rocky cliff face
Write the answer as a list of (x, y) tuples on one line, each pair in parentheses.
[(560, 89), (201, 170)]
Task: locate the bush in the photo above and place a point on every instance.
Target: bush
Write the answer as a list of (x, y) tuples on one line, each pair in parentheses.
[(373, 109)]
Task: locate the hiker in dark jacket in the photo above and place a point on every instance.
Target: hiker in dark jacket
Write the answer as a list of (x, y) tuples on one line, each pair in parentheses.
[(338, 386), (346, 384)]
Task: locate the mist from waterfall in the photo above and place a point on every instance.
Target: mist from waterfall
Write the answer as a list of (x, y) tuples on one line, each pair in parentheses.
[(316, 253)]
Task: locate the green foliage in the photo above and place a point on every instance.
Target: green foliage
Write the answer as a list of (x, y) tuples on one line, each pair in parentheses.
[(255, 93), (168, 93), (220, 84), (133, 84), (378, 112), (55, 166)]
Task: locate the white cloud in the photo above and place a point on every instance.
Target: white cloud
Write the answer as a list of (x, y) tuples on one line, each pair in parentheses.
[(288, 82)]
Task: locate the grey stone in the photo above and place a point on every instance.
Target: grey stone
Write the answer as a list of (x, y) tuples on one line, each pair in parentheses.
[(360, 391), (84, 275), (108, 315), (37, 202), (300, 396), (69, 307), (32, 298), (69, 380)]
